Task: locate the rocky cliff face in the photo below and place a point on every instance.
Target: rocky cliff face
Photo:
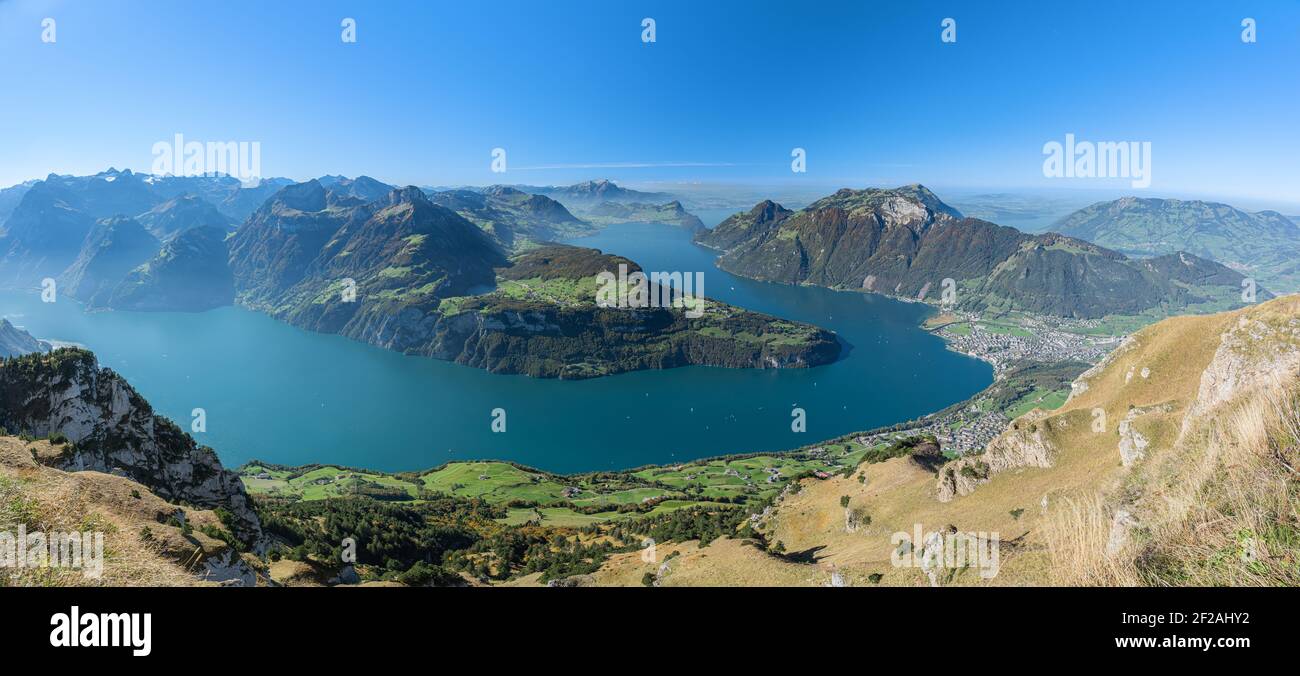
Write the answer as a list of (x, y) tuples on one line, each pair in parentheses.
[(112, 429), (855, 239), (1023, 444)]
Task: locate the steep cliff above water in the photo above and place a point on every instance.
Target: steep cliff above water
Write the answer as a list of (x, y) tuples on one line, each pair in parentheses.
[(112, 429)]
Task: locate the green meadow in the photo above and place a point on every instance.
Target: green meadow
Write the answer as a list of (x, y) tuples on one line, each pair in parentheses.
[(536, 496)]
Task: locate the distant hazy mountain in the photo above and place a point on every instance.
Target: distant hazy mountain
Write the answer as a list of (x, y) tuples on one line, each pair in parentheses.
[(190, 274), (113, 248), (213, 189), (226, 193), (1264, 245), (602, 202), (672, 213), (15, 341), (47, 227), (513, 217), (9, 199), (45, 232), (595, 192), (363, 188), (905, 242), (109, 193), (182, 213), (243, 202), (1033, 212)]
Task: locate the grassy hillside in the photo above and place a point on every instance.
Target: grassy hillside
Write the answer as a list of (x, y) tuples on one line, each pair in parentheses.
[(1171, 463), (1262, 245)]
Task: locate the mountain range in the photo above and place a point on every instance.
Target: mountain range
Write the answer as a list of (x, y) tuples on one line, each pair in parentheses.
[(431, 274), (905, 242), (410, 274), (47, 230), (593, 205), (182, 213), (396, 267), (591, 193)]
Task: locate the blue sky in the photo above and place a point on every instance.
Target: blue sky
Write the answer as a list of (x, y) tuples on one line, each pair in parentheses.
[(723, 95)]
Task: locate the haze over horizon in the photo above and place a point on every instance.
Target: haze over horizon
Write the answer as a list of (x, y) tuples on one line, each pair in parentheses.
[(721, 97)]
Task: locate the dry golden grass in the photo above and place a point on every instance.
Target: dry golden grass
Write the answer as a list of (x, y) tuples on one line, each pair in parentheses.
[(290, 573), (48, 500), (1215, 500), (1076, 534), (1232, 519), (724, 562)]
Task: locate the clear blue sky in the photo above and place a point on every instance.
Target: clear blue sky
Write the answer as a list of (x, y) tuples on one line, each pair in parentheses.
[(730, 87)]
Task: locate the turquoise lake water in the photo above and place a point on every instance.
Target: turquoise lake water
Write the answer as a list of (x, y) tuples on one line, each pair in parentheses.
[(281, 394)]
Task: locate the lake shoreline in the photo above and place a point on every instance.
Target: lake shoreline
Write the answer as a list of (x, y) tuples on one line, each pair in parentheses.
[(282, 394)]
